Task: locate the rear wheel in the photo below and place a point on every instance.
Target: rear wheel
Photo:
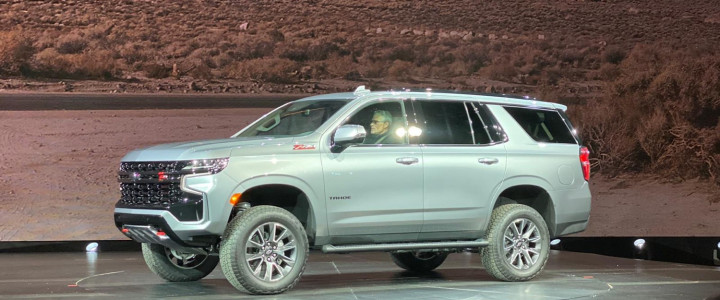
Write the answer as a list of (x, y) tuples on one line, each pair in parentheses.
[(419, 262), (264, 250), (173, 265), (519, 243)]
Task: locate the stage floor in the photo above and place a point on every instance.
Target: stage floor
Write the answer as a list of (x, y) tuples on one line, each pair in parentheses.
[(568, 275)]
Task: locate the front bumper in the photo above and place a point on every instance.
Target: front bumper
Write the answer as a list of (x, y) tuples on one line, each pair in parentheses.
[(143, 225), (192, 210)]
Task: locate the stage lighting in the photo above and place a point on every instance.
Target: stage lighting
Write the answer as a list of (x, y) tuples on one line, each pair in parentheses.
[(639, 243), (555, 242), (92, 247)]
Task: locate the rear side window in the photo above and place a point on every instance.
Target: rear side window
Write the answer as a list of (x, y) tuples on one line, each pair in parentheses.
[(446, 123), (454, 123), (542, 125)]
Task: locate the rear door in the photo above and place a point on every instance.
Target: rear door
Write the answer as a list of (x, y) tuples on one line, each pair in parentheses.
[(464, 164)]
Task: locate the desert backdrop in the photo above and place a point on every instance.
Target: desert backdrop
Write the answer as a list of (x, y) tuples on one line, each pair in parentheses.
[(641, 79)]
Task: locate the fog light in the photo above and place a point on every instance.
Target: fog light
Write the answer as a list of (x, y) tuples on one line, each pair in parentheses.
[(555, 242)]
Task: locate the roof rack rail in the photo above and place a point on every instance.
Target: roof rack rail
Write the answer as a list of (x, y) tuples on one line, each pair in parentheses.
[(361, 90)]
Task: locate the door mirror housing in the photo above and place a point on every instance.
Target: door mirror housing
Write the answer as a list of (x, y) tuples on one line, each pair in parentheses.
[(346, 136)]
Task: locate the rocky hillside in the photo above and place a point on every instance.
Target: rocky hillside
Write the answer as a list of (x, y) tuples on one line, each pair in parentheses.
[(551, 48), (643, 73)]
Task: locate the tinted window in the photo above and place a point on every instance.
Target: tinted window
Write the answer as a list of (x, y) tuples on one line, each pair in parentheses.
[(479, 126), (491, 124), (542, 125), (445, 123)]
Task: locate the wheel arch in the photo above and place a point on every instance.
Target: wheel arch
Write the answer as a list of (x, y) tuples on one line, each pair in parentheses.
[(289, 193), (534, 193)]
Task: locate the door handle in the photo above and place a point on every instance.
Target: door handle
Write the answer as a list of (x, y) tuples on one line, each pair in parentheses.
[(488, 161), (407, 160)]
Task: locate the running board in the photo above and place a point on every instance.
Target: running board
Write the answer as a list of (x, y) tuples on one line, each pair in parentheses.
[(405, 246)]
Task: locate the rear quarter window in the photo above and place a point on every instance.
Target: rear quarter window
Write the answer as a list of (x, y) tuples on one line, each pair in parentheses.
[(542, 125)]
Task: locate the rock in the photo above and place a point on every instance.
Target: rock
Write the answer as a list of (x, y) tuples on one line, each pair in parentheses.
[(379, 30), (429, 32), (505, 37), (467, 36), (404, 31), (418, 32), (243, 26), (193, 86), (443, 35), (541, 36), (68, 87), (492, 36)]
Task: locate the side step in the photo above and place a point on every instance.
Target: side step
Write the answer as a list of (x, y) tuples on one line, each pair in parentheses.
[(405, 246)]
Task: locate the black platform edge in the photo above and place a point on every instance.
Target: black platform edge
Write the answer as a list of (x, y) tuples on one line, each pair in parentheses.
[(690, 250), (67, 246)]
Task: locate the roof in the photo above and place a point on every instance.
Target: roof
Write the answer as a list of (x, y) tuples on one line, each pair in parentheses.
[(440, 95)]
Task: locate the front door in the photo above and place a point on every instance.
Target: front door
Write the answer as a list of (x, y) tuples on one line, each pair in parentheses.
[(374, 190)]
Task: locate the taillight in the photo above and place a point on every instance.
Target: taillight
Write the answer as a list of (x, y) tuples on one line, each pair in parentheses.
[(585, 162)]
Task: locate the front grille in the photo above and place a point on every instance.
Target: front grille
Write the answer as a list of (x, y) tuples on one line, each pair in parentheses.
[(156, 185)]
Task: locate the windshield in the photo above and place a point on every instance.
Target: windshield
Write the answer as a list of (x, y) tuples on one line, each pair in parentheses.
[(295, 118)]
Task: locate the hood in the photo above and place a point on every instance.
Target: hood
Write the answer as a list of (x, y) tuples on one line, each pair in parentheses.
[(205, 149)]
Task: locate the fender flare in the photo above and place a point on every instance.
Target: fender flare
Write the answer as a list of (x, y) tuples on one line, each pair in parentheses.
[(316, 206)]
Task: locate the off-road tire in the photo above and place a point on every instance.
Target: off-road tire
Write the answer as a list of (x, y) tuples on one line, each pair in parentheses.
[(419, 262), (160, 261), (497, 256), (243, 235)]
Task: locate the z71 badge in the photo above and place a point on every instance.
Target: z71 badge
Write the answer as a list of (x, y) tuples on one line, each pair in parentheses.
[(304, 147)]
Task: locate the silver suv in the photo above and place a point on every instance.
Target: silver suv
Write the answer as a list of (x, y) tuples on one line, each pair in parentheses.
[(418, 174)]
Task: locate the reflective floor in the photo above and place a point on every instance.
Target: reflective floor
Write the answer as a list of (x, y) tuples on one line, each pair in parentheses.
[(568, 275)]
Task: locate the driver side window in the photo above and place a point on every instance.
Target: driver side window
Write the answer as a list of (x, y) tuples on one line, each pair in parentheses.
[(384, 123)]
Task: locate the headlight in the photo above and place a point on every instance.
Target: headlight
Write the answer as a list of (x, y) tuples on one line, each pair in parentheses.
[(211, 166)]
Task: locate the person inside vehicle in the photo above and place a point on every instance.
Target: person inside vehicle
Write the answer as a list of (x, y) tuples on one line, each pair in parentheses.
[(380, 129)]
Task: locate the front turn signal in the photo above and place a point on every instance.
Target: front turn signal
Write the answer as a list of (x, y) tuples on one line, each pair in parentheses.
[(235, 199)]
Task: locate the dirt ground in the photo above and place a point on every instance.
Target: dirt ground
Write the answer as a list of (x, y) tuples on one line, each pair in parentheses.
[(59, 182)]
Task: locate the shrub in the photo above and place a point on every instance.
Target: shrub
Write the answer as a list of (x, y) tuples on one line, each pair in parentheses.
[(155, 70), (275, 70), (404, 53), (400, 70), (613, 55), (95, 64), (660, 114), (71, 44), (251, 47), (502, 70), (132, 53), (15, 51)]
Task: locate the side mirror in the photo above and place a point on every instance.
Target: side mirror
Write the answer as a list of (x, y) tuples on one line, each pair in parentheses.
[(347, 135)]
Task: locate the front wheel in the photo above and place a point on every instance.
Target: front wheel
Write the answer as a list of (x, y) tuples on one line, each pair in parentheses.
[(264, 250), (419, 262), (173, 265), (519, 243)]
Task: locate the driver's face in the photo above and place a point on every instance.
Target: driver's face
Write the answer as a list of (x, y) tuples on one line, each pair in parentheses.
[(378, 125)]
